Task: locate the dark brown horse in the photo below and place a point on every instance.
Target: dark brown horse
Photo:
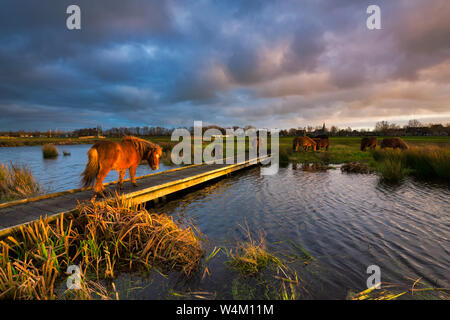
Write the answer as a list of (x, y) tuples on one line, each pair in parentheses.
[(119, 156), (369, 142), (304, 143), (394, 143), (322, 142)]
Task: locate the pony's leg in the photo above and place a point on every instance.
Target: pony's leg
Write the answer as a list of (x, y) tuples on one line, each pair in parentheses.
[(121, 175), (98, 187), (132, 175)]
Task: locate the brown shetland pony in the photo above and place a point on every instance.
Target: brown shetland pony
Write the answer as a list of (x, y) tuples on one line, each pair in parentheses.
[(304, 143), (394, 143), (369, 142), (119, 156)]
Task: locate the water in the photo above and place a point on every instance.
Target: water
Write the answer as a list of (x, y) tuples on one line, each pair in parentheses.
[(63, 172), (345, 221)]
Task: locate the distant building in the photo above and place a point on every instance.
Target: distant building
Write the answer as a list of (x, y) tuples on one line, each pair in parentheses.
[(322, 131), (418, 131)]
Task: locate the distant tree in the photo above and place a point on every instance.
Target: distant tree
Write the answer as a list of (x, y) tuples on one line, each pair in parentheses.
[(334, 130), (292, 131), (414, 124), (382, 126)]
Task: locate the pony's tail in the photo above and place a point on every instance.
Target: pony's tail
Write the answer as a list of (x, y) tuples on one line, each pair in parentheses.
[(92, 168)]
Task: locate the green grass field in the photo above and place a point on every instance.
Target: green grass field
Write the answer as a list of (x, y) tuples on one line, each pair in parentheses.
[(347, 149)]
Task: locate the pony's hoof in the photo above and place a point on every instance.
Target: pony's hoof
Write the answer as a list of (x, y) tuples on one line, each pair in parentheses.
[(100, 195)]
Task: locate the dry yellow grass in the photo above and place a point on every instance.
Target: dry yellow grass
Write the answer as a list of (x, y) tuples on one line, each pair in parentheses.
[(102, 239), (16, 182)]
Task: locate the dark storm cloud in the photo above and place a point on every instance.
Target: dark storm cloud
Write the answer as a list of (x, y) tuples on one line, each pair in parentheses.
[(274, 63)]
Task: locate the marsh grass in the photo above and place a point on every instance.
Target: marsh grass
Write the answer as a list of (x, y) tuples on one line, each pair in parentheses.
[(103, 239), (303, 255), (389, 291), (16, 182), (377, 294), (425, 162), (250, 259), (49, 151), (129, 234), (431, 162), (391, 164)]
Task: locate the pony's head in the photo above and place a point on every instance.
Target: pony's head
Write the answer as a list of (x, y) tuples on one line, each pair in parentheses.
[(153, 156), (149, 150)]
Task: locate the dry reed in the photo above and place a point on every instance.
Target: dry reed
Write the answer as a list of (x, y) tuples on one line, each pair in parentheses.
[(102, 239), (49, 151), (16, 182)]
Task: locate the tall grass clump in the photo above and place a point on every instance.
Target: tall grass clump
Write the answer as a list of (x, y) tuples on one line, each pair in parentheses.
[(251, 257), (133, 234), (49, 151), (392, 167), (34, 259), (423, 162), (429, 162), (102, 239), (16, 182)]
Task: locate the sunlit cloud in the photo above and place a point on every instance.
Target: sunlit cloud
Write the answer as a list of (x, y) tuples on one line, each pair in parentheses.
[(266, 63)]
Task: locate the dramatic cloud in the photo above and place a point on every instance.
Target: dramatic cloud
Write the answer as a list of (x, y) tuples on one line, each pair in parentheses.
[(267, 63)]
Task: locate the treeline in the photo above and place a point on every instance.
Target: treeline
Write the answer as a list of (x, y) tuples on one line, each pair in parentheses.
[(382, 128)]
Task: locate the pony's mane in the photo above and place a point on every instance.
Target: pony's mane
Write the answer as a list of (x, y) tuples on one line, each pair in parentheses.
[(141, 145)]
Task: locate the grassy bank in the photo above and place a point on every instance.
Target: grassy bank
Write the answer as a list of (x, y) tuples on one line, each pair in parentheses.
[(21, 142), (102, 239), (428, 157)]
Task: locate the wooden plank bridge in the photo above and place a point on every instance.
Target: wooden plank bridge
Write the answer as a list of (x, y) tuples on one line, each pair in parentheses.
[(150, 187)]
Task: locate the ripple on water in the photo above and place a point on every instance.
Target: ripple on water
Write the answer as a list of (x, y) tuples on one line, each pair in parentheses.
[(348, 220)]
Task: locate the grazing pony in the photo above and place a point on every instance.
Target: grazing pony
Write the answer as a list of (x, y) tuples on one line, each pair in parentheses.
[(394, 143), (119, 156), (369, 142), (322, 142), (304, 142)]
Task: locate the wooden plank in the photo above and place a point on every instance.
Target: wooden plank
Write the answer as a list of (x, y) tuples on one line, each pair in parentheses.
[(57, 194)]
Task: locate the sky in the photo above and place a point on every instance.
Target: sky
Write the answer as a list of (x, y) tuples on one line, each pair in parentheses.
[(270, 64)]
